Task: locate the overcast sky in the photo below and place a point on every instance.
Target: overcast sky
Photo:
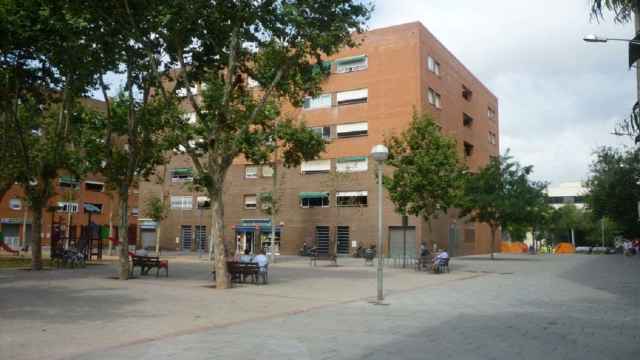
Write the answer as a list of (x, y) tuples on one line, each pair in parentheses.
[(559, 96)]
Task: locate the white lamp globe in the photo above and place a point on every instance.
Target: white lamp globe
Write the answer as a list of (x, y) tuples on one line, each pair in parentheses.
[(380, 153)]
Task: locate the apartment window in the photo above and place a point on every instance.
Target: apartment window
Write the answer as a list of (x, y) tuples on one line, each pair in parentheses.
[(468, 150), (433, 65), (434, 98), (323, 131), (352, 97), (493, 139), (135, 211), (315, 167), (251, 201), (351, 198), (68, 182), (94, 186), (352, 164), (182, 202), (68, 207), (93, 208), (203, 202), (251, 172), (351, 130), (182, 92), (467, 120), (190, 117), (181, 175), (15, 204), (491, 113), (467, 94), (351, 64), (314, 199), (322, 101), (267, 171)]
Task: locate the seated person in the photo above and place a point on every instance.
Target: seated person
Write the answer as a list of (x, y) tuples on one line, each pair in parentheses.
[(246, 258), (262, 260), (424, 251), (440, 258)]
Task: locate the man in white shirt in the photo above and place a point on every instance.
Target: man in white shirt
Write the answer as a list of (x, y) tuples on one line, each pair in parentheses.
[(262, 260), (246, 258), (440, 258)]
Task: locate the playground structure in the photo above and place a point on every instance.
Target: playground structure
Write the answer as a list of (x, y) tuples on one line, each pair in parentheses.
[(6, 248)]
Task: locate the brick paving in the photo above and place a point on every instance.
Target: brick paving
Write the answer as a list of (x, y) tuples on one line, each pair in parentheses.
[(525, 307)]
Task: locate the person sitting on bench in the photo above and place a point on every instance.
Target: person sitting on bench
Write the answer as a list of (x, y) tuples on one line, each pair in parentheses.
[(262, 260), (246, 258), (442, 257)]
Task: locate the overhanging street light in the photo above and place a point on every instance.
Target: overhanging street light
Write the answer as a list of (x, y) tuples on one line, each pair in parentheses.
[(592, 38), (380, 153)]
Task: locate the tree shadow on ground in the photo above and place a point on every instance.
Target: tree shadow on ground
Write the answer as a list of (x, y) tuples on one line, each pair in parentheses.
[(63, 305), (615, 274), (510, 335)]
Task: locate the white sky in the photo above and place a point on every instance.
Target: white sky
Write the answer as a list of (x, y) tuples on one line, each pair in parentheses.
[(559, 96)]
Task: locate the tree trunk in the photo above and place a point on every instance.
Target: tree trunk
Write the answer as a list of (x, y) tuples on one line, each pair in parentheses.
[(158, 231), (123, 232), (110, 240), (493, 241), (36, 241), (217, 238)]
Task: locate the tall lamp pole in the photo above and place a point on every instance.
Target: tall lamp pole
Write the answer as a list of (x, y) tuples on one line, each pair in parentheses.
[(380, 153)]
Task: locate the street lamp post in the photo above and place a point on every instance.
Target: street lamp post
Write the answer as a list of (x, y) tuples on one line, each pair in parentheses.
[(380, 153)]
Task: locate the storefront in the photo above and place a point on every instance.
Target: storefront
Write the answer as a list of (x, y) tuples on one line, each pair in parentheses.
[(12, 230), (148, 233), (255, 234)]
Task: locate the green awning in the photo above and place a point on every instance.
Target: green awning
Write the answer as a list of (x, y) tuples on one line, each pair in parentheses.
[(182, 171), (350, 60), (68, 179), (313, 195), (351, 159)]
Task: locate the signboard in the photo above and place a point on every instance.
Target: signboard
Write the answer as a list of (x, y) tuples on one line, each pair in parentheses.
[(13, 221)]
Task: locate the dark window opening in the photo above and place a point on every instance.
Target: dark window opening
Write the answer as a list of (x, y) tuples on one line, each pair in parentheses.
[(467, 94), (315, 202), (352, 201), (91, 186), (467, 120), (468, 150)]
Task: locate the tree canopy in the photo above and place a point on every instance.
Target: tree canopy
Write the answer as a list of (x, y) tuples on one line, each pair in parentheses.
[(502, 195), (427, 176), (614, 188)]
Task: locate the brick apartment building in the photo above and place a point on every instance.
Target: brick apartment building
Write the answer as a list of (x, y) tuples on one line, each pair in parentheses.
[(372, 92), (74, 199)]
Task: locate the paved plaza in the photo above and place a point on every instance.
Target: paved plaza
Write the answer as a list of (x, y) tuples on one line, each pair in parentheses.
[(517, 307)]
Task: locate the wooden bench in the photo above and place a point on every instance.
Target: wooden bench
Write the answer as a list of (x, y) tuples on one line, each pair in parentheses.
[(238, 272), (146, 263)]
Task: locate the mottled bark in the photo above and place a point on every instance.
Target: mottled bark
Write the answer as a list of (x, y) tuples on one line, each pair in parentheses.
[(36, 239), (217, 238), (123, 233)]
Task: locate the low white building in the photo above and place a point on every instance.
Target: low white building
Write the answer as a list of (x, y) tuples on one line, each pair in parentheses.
[(567, 193)]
